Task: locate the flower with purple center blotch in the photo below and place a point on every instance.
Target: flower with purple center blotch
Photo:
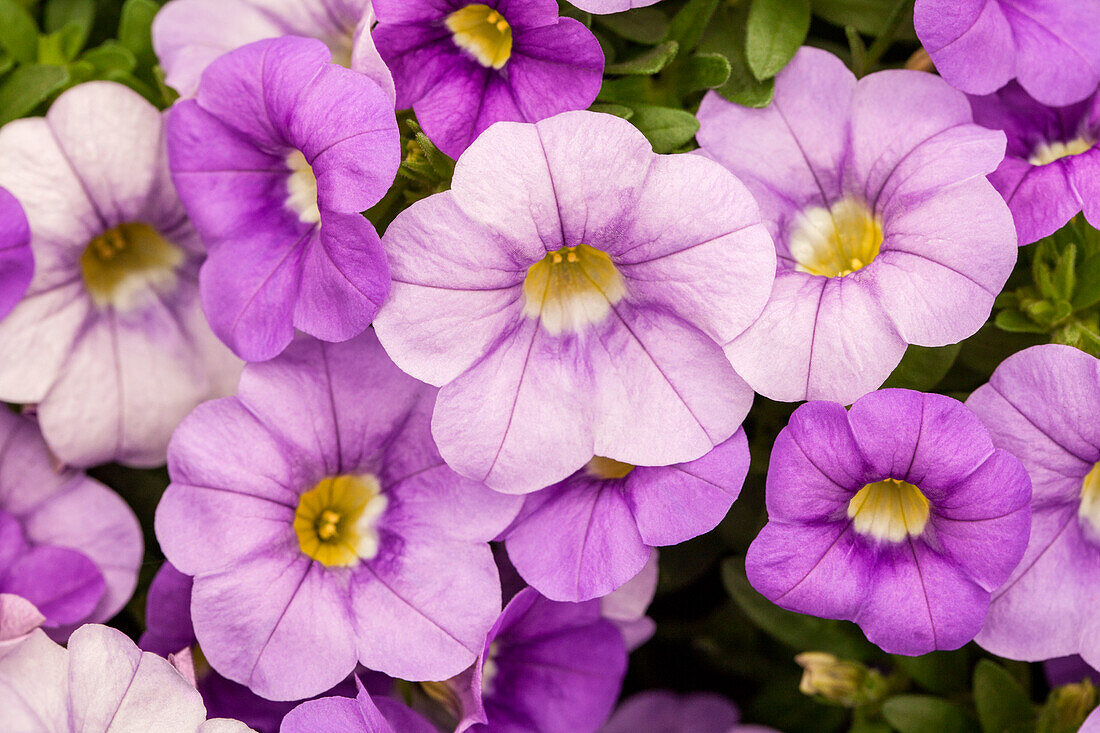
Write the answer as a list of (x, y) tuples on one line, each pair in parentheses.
[(109, 341), (1051, 169), (886, 229), (16, 257), (362, 714), (1041, 404), (275, 158), (1052, 47), (570, 294), (462, 66), (188, 35), (899, 515), (316, 517), (587, 535)]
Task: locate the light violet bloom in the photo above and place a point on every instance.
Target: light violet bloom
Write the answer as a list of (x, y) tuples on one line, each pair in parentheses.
[(603, 7), (626, 606), (323, 529), (570, 294), (274, 160), (68, 544), (188, 35), (586, 536), (1040, 404), (1052, 47), (362, 714), (898, 514), (1051, 169), (887, 231), (18, 619), (16, 257), (669, 712), (462, 66), (101, 683), (109, 341)]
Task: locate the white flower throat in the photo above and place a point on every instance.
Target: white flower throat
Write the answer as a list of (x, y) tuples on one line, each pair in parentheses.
[(572, 288), (837, 241)]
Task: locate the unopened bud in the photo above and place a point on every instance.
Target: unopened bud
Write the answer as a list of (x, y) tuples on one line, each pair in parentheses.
[(1067, 707), (839, 681)]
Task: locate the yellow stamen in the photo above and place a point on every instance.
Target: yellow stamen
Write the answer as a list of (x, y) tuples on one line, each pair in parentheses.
[(122, 261), (571, 288), (607, 468), (335, 520), (1089, 509), (889, 510), (301, 189), (482, 32), (837, 241), (1046, 153)]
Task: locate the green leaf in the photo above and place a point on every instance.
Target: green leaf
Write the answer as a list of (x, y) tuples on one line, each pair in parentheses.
[(938, 672), (1001, 702), (690, 23), (648, 63), (628, 90), (665, 128), (134, 30), (925, 714), (27, 87), (923, 367), (857, 48), (775, 31), (866, 16), (18, 31), (647, 26), (705, 71), (1017, 322), (799, 632), (108, 57), (60, 47), (619, 110), (76, 14), (726, 36), (1087, 292)]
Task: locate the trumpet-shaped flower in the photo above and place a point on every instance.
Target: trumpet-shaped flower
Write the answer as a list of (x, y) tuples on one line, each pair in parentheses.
[(16, 257), (886, 229), (363, 714), (570, 294)]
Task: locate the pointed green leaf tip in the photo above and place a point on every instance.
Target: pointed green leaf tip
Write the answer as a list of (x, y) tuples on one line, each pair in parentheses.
[(776, 30)]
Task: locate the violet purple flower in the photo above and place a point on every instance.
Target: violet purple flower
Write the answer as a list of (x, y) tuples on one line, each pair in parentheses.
[(669, 712), (68, 544), (1051, 47), (1051, 169), (16, 257), (363, 714), (274, 159), (603, 7), (570, 294), (109, 341), (626, 606), (887, 231), (462, 66), (316, 517), (1041, 405), (587, 535), (899, 515)]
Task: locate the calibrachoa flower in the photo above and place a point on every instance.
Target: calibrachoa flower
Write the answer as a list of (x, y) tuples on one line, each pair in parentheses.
[(274, 159), (626, 606), (109, 340), (18, 620), (546, 666), (570, 294), (1051, 47), (669, 712), (887, 231), (317, 518), (602, 7), (1051, 168), (101, 682), (899, 515), (16, 257), (68, 544), (462, 66), (589, 534), (189, 35), (362, 714), (1040, 404)]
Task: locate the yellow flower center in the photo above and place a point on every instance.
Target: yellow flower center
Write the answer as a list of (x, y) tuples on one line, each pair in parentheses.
[(1047, 153), (836, 241), (120, 264), (571, 288), (335, 520), (607, 468), (889, 510), (301, 189), (1089, 509), (483, 33)]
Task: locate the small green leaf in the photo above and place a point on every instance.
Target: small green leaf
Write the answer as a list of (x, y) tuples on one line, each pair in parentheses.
[(619, 110), (705, 71), (1087, 292), (938, 672), (1001, 702), (775, 31), (648, 63), (647, 26), (923, 367), (690, 23), (857, 48), (27, 87), (627, 90), (134, 30), (60, 47), (665, 128), (866, 16), (76, 14), (18, 31), (925, 714), (726, 36), (1017, 322), (110, 56)]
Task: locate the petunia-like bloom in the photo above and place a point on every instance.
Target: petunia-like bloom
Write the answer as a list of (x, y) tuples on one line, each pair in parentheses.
[(462, 66), (1040, 404), (669, 712), (68, 544), (16, 257), (362, 714), (603, 7), (274, 159), (587, 535), (1051, 169), (898, 514), (109, 341), (570, 294), (101, 682), (1051, 47), (887, 231), (188, 35), (322, 528), (546, 666)]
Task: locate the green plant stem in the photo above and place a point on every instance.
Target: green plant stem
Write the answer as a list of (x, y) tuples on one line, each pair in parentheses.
[(886, 38)]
